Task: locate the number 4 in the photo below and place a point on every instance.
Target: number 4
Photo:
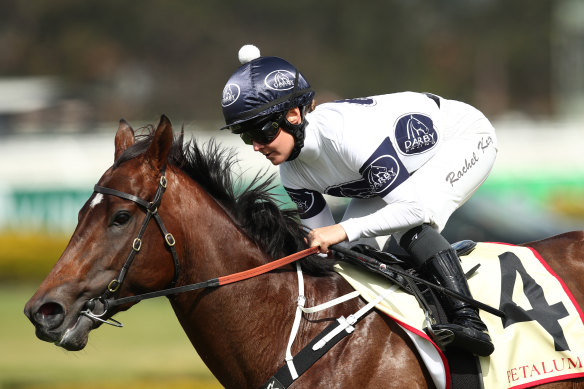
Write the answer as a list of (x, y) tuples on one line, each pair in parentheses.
[(546, 315)]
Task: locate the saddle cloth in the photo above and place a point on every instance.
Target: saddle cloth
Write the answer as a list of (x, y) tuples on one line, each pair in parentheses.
[(540, 340)]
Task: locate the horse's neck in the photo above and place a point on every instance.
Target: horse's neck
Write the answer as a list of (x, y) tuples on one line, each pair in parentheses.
[(222, 322), (211, 238), (228, 325), (231, 325)]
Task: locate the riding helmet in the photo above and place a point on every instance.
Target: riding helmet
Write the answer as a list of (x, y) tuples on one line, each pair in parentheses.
[(263, 86)]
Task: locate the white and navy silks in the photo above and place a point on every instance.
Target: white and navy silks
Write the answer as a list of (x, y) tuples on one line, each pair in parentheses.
[(404, 159)]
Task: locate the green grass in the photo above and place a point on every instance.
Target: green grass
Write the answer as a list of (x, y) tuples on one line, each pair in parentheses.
[(150, 351)]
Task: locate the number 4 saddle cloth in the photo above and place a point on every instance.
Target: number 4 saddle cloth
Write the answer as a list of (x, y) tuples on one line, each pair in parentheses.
[(541, 338)]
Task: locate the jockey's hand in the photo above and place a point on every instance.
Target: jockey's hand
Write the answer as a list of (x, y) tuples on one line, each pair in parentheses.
[(326, 236)]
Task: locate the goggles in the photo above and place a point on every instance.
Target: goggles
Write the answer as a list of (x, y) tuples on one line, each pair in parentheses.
[(262, 132)]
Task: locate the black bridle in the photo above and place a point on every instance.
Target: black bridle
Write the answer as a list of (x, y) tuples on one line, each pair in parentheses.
[(108, 299), (151, 208)]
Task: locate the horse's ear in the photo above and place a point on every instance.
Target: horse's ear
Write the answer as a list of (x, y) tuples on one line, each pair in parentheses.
[(124, 138), (161, 143)]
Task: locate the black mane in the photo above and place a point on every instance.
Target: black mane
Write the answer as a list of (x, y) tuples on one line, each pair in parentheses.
[(278, 232)]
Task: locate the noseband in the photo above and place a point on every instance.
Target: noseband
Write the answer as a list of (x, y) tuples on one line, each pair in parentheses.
[(151, 209)]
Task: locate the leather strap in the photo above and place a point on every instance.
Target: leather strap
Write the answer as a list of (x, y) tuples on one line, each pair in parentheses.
[(214, 282)]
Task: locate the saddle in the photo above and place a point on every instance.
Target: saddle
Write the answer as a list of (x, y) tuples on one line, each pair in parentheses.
[(465, 368), (396, 261)]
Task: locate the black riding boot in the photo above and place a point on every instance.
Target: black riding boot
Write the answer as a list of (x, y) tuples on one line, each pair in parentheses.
[(464, 320), (433, 255)]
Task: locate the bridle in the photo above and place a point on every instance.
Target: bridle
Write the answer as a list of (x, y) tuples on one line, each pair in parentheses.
[(151, 208), (108, 298)]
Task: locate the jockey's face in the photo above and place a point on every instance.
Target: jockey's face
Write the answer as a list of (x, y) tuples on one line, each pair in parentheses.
[(281, 147), (278, 150)]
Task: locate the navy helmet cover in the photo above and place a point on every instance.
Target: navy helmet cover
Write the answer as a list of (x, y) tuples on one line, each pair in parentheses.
[(263, 86)]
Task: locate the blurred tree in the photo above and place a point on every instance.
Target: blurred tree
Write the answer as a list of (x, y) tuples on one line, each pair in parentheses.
[(141, 58)]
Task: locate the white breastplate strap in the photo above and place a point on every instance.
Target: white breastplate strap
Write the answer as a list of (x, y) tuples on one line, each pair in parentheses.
[(347, 324), (296, 324), (331, 303), (344, 324)]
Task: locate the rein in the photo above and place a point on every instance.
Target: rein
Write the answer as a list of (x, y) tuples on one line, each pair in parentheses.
[(108, 298), (215, 282)]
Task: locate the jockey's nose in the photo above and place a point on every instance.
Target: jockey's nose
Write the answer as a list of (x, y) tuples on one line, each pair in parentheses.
[(257, 146)]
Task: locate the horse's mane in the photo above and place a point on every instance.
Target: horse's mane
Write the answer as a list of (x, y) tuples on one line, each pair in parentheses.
[(253, 207)]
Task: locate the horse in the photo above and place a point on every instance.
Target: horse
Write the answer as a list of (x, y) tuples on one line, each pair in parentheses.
[(220, 226)]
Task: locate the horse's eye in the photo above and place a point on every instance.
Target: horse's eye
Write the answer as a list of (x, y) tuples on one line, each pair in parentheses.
[(121, 218)]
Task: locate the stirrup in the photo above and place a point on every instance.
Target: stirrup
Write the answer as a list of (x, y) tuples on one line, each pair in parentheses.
[(441, 336), (467, 338)]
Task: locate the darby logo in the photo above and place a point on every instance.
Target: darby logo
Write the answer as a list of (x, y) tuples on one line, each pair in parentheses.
[(381, 177), (230, 94), (304, 202), (415, 134), (280, 80)]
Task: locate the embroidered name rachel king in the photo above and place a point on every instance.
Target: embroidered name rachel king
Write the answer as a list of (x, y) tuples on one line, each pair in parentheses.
[(454, 176)]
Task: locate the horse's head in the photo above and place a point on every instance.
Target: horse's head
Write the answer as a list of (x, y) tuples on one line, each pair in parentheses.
[(107, 239)]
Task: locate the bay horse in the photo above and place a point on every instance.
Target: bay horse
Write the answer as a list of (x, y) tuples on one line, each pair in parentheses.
[(239, 330)]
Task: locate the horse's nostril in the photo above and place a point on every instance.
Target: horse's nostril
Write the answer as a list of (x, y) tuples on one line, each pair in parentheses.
[(50, 315), (50, 309)]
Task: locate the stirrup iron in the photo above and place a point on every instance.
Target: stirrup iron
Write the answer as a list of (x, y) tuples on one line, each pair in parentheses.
[(442, 337)]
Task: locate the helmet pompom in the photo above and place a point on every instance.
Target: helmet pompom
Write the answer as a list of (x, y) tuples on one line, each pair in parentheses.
[(248, 53)]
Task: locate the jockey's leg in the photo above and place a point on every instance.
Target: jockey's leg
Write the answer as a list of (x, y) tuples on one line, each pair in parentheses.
[(434, 257)]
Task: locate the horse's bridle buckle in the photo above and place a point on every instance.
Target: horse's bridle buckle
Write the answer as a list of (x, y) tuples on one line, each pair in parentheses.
[(113, 286)]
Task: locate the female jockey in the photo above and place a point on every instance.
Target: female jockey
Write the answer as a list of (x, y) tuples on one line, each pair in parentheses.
[(407, 161)]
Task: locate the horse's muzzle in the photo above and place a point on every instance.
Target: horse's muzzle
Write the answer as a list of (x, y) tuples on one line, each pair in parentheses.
[(47, 317), (52, 324)]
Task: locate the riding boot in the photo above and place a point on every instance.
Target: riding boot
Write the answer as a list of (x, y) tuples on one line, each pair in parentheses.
[(433, 256), (464, 322)]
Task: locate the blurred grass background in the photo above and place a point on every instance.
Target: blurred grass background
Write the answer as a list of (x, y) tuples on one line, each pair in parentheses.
[(150, 351), (29, 255)]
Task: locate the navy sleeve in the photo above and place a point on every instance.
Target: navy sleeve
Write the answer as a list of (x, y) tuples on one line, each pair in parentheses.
[(384, 171), (309, 202)]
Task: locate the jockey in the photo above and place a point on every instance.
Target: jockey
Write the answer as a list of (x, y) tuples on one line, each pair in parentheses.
[(407, 161)]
